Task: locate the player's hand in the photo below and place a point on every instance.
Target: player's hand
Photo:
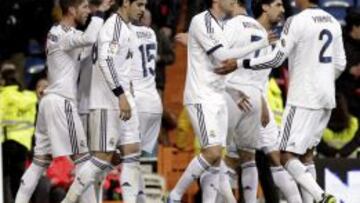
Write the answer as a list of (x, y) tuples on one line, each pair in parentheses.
[(226, 67), (182, 38), (105, 5), (244, 103), (272, 37), (265, 116), (125, 109)]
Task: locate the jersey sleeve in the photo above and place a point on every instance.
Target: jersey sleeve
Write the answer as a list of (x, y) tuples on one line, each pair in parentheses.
[(108, 46), (212, 44), (85, 39), (282, 50)]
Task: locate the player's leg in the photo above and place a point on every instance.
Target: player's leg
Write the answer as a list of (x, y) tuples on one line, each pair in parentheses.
[(42, 157), (282, 178), (90, 194), (150, 124), (249, 175), (229, 177), (99, 163), (269, 143), (129, 146), (297, 137), (308, 160), (207, 120)]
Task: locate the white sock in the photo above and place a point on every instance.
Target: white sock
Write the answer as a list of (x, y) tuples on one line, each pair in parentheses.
[(88, 196), (98, 186), (30, 180), (306, 196), (193, 171), (209, 181), (304, 178), (86, 176), (226, 175), (129, 178), (286, 184), (141, 198), (249, 180)]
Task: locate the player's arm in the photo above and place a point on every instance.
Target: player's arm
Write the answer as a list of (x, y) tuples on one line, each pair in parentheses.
[(90, 35), (212, 44), (339, 56), (107, 51), (275, 58)]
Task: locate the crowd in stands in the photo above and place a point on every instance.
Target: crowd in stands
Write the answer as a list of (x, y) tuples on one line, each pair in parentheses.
[(24, 24)]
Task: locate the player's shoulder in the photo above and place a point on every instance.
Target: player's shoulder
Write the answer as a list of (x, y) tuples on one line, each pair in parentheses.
[(202, 18), (58, 31)]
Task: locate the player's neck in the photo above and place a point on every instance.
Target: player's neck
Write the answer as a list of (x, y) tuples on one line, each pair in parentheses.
[(123, 15), (68, 21), (216, 12), (239, 11), (263, 20), (308, 5)]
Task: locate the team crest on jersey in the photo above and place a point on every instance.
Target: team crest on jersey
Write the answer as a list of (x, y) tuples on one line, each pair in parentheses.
[(113, 47), (53, 37), (112, 142)]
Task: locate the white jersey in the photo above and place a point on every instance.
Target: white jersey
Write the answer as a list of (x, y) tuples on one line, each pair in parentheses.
[(110, 76), (202, 84), (143, 72), (84, 83), (243, 30), (65, 49), (207, 48), (312, 40)]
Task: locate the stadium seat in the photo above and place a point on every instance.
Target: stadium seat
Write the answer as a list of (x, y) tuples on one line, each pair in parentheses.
[(337, 8), (155, 188), (336, 3)]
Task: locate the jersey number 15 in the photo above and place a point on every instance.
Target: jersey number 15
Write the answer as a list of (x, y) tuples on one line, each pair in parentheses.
[(147, 55)]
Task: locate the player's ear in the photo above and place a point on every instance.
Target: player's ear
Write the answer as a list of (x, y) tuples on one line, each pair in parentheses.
[(72, 10), (265, 7), (126, 3)]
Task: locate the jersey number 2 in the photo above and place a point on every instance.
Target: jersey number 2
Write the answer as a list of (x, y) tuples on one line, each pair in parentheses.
[(146, 57), (325, 33)]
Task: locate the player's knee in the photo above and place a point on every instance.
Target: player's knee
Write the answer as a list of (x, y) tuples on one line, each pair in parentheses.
[(285, 157), (231, 162), (45, 158), (274, 158), (308, 157), (129, 149), (212, 154), (246, 156)]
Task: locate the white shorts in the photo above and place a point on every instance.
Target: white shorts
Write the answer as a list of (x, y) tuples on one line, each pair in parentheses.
[(150, 124), (59, 130), (108, 131), (84, 117), (302, 128), (269, 136), (209, 122), (244, 127)]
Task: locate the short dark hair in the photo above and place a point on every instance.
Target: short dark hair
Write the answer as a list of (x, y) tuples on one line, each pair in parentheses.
[(95, 2), (241, 2), (207, 3), (121, 2), (66, 4), (256, 6), (314, 1), (352, 18)]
